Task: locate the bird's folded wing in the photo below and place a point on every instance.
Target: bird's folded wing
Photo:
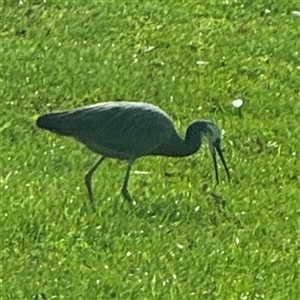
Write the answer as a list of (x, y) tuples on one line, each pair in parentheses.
[(132, 130)]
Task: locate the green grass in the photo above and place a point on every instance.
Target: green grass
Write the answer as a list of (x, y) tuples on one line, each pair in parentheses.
[(176, 242)]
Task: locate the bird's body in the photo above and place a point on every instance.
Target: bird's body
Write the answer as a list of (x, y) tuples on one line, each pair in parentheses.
[(127, 131), (122, 130)]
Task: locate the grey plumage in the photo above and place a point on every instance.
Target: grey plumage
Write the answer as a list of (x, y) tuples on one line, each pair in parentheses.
[(129, 130)]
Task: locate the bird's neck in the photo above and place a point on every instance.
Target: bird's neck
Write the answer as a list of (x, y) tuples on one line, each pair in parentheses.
[(192, 141), (191, 144), (185, 148), (179, 147)]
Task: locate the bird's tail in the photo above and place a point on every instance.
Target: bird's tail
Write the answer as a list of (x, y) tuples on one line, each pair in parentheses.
[(55, 122)]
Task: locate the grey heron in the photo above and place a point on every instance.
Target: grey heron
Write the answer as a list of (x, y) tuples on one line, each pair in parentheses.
[(129, 130)]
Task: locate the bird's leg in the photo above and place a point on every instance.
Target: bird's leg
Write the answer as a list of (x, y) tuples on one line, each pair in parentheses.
[(125, 192), (88, 177)]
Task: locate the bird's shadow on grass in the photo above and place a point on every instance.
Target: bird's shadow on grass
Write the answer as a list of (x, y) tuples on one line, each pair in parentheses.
[(174, 212), (125, 209), (164, 211)]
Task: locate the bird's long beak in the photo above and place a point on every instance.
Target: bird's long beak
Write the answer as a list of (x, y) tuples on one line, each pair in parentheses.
[(213, 149)]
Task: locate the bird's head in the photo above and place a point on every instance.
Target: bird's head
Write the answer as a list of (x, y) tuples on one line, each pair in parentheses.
[(213, 135)]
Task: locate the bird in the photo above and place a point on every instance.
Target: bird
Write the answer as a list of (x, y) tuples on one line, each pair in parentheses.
[(128, 130)]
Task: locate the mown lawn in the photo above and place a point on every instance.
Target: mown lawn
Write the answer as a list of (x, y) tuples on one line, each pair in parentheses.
[(179, 241)]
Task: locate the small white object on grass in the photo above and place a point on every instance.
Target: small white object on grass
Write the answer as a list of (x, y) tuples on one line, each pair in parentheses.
[(141, 172), (296, 13), (237, 103), (201, 62)]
